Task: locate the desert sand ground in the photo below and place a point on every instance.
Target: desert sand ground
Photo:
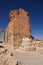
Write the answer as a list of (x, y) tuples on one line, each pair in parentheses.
[(27, 57)]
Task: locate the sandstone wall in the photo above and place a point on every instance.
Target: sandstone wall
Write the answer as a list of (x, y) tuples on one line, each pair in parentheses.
[(18, 27)]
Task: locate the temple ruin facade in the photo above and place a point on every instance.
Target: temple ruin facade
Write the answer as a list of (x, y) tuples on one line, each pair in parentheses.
[(18, 27)]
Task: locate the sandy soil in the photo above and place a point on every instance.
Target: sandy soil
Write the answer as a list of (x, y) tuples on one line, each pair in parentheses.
[(28, 58)]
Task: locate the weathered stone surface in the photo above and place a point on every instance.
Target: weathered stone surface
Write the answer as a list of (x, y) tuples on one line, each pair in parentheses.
[(37, 43), (26, 42), (27, 45), (7, 60), (5, 56), (18, 27)]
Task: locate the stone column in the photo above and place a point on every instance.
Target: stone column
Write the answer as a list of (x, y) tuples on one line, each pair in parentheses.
[(2, 35)]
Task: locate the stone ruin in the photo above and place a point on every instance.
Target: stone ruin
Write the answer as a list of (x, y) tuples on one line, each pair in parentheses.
[(18, 35), (2, 36), (18, 27)]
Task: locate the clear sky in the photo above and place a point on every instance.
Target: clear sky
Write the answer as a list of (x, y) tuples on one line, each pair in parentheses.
[(34, 7)]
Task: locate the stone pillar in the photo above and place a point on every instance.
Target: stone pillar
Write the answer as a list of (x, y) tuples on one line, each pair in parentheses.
[(2, 37)]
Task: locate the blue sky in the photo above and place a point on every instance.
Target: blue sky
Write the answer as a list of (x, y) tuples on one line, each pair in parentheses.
[(34, 7)]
